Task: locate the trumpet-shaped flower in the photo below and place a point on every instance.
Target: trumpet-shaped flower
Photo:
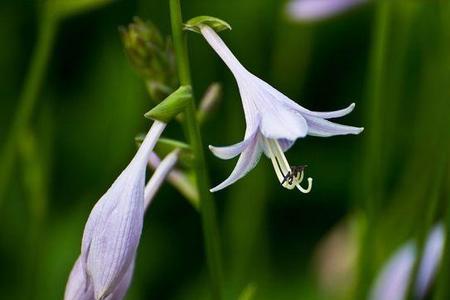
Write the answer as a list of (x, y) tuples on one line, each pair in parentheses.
[(274, 123), (314, 10), (113, 229)]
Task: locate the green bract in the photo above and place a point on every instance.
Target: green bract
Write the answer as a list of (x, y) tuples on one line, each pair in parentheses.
[(217, 24), (171, 106)]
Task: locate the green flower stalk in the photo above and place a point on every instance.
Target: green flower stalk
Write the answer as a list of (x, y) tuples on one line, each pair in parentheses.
[(207, 206)]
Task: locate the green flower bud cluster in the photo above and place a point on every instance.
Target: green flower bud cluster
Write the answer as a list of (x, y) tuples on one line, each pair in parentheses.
[(152, 56)]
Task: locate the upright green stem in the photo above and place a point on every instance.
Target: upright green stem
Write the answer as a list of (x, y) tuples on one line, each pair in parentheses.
[(429, 218), (207, 206), (30, 92), (372, 172)]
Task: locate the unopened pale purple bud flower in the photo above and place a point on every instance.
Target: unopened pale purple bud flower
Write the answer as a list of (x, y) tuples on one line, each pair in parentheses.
[(315, 10), (121, 289), (432, 254), (113, 230), (274, 123), (80, 288), (79, 285), (393, 281), (395, 277)]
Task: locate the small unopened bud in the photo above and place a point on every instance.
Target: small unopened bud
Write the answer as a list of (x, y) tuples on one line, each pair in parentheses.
[(209, 102), (151, 55)]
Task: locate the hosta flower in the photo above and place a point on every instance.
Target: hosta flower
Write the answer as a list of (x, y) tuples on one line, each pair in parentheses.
[(394, 279), (313, 10), (274, 123), (79, 285), (113, 229), (431, 258)]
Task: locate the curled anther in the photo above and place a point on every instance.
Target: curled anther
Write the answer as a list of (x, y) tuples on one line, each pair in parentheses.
[(296, 173)]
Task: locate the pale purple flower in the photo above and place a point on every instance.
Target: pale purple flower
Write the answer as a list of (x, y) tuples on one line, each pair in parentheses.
[(315, 10), (79, 285), (80, 288), (395, 277), (432, 255), (113, 229), (393, 281), (273, 121)]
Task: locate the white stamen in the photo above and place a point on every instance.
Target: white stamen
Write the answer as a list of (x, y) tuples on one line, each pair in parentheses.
[(282, 167), (308, 189)]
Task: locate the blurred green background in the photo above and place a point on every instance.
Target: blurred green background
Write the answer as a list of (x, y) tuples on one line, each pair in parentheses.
[(373, 191)]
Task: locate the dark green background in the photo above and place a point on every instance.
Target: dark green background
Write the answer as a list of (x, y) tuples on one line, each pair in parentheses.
[(92, 103)]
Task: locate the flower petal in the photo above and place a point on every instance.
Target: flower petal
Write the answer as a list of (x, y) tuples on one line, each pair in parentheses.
[(281, 123), (229, 152), (114, 244), (295, 106), (223, 51), (113, 229), (122, 288), (313, 10), (247, 161), (78, 287), (393, 280), (324, 128), (277, 120), (432, 255), (326, 114), (285, 144)]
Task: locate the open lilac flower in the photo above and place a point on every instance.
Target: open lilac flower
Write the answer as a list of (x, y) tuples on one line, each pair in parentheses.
[(394, 279), (314, 10), (113, 229), (274, 123)]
